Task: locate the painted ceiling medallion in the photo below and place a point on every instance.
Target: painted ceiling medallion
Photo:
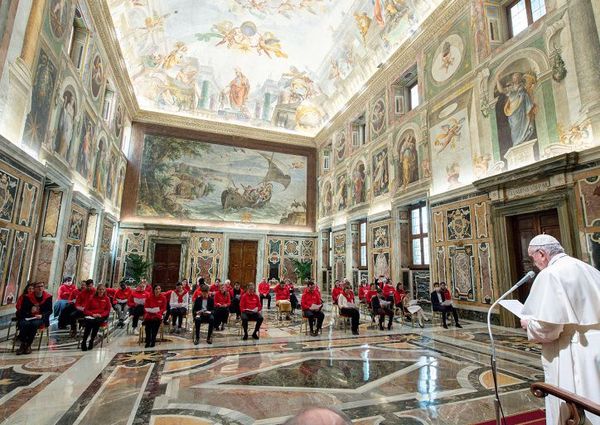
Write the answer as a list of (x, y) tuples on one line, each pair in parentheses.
[(286, 65)]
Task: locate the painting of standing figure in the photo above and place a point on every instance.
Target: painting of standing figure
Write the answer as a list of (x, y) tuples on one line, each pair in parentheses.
[(204, 181)]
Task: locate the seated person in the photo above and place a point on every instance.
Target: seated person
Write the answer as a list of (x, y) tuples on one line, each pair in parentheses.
[(264, 290), (362, 292), (80, 303), (348, 308), (282, 299), (250, 306), (445, 292), (136, 302), (35, 312), (293, 298), (439, 303), (203, 312), (312, 307), (167, 295), (147, 287), (154, 309), (120, 302), (371, 293), (235, 300), (381, 307), (186, 286), (178, 303), (336, 291), (96, 313), (197, 288), (388, 290), (19, 304), (64, 291), (222, 301), (214, 288)]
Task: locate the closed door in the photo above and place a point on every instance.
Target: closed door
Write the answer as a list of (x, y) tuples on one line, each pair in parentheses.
[(242, 261), (524, 228), (165, 271)]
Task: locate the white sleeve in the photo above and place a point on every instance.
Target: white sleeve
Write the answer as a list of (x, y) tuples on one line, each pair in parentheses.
[(543, 332)]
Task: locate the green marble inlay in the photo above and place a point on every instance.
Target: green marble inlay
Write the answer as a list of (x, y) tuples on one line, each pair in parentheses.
[(324, 373)]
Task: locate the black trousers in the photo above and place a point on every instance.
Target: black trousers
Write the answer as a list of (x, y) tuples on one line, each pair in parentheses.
[(152, 327), (221, 315), (235, 306), (177, 315), (445, 309), (136, 312), (167, 314), (247, 317), (293, 301), (28, 329), (382, 312), (204, 318), (265, 297), (65, 316), (75, 315), (91, 328), (313, 315), (354, 316)]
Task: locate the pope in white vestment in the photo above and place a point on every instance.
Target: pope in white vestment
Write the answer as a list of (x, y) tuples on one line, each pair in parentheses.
[(562, 313)]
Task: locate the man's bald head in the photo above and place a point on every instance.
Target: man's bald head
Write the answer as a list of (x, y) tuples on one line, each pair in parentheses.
[(319, 416)]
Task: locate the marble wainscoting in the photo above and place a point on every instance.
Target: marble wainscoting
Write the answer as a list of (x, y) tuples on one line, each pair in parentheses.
[(406, 376)]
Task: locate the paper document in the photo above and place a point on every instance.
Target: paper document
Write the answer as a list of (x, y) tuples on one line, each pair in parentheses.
[(447, 302), (315, 307), (412, 309), (514, 306)]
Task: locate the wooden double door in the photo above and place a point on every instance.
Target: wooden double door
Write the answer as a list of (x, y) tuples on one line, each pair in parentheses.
[(242, 261), (524, 227), (166, 266)]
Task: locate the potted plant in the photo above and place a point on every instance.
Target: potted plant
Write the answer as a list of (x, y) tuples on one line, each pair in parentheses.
[(303, 269), (136, 267)]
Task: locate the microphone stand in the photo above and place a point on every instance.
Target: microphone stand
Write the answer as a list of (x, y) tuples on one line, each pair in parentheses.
[(497, 406)]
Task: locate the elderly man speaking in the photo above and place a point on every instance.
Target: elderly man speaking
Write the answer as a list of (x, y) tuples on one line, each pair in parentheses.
[(562, 313)]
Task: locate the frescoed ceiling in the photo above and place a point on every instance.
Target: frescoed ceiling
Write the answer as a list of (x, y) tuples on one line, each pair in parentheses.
[(288, 65)]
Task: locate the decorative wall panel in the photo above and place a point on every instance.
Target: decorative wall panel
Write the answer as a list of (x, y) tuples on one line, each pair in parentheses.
[(205, 256), (281, 251), (339, 255), (588, 207), (73, 247), (380, 249)]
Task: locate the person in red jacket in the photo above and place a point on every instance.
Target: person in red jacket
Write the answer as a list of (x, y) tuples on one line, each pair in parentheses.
[(28, 290), (371, 293), (237, 292), (154, 308), (178, 302), (97, 310), (147, 286), (35, 313), (120, 302), (264, 290), (348, 308), (80, 303), (136, 302), (250, 306), (312, 307), (337, 290), (362, 292), (186, 286), (388, 290), (198, 289), (222, 303), (214, 288), (282, 299), (64, 291)]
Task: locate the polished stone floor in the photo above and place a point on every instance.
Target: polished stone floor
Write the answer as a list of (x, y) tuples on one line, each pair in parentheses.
[(407, 375)]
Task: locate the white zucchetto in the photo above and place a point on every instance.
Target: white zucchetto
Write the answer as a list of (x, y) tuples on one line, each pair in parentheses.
[(541, 240)]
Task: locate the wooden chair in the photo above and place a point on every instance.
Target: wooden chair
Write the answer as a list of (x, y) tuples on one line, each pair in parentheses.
[(39, 333), (10, 324), (161, 333), (103, 332), (577, 405)]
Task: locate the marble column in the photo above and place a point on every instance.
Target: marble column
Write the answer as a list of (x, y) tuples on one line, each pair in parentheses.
[(586, 50), (20, 71)]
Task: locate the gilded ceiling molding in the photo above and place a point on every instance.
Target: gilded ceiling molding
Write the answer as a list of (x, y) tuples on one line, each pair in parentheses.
[(190, 123), (433, 26)]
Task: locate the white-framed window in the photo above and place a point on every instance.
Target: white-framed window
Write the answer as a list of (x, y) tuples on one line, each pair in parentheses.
[(419, 235), (107, 106), (326, 159), (362, 244), (413, 95), (522, 13), (78, 40)]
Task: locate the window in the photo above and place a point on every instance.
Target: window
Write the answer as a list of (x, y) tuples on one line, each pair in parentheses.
[(362, 243), (109, 96), (359, 131), (419, 237), (78, 40), (413, 95), (326, 159), (523, 13)]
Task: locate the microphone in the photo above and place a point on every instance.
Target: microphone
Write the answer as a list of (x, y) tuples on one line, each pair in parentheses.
[(497, 406)]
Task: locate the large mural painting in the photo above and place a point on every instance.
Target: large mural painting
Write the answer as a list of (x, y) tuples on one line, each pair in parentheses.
[(202, 181), (246, 61)]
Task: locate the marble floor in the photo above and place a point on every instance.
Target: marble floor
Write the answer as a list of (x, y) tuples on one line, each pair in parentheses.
[(407, 375)]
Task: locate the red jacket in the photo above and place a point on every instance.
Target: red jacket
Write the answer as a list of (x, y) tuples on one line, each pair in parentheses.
[(264, 288), (250, 302), (446, 294), (167, 295), (137, 294), (335, 294), (309, 298), (399, 297), (19, 302), (388, 290), (222, 300), (187, 288), (214, 288), (196, 294), (98, 305), (74, 294), (281, 293), (64, 291), (370, 294), (362, 292), (349, 296), (122, 295), (155, 302), (83, 298), (149, 288)]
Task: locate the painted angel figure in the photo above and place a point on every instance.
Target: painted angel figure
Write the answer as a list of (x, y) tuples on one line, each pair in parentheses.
[(450, 132), (519, 107)]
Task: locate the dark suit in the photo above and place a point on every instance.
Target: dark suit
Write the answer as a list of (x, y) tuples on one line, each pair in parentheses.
[(382, 312), (202, 317), (436, 305)]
